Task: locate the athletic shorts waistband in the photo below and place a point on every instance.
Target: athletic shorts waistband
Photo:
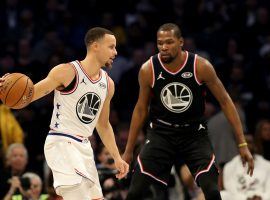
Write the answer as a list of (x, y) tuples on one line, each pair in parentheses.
[(78, 138)]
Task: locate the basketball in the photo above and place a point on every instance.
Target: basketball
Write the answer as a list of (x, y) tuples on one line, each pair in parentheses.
[(17, 91)]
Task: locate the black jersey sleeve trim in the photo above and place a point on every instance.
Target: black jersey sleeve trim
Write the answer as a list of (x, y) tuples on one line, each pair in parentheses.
[(73, 85)]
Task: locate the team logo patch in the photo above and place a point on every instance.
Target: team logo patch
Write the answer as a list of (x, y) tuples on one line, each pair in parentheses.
[(176, 97), (187, 75), (87, 107)]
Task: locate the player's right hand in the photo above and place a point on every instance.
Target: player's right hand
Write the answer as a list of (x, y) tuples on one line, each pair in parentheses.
[(127, 156), (122, 167)]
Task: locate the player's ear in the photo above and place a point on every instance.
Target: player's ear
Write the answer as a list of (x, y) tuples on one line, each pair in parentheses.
[(94, 45), (181, 41)]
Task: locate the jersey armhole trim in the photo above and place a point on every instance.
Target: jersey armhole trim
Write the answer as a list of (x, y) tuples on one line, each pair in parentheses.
[(76, 84), (108, 83), (195, 70), (153, 72)]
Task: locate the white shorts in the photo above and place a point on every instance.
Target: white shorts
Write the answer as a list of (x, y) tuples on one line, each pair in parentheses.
[(71, 160), (80, 191)]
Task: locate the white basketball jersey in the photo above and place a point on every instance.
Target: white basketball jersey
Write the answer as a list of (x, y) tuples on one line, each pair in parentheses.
[(76, 112)]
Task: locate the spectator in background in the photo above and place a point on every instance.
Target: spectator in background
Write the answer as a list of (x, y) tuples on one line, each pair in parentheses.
[(16, 162), (112, 190), (29, 185), (122, 130), (238, 185), (129, 82), (105, 163), (106, 170), (48, 187), (10, 130), (7, 62), (262, 136)]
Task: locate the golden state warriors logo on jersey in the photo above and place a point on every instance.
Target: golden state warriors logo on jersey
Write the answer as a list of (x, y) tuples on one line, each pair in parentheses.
[(87, 107), (176, 97)]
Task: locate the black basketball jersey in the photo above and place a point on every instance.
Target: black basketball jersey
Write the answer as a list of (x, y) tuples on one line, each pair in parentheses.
[(178, 97)]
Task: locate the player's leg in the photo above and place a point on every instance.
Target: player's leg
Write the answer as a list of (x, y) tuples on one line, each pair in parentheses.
[(208, 181), (95, 190), (79, 191), (153, 166), (199, 157), (139, 186), (143, 185)]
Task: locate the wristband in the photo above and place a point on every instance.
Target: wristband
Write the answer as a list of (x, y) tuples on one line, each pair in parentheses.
[(242, 144)]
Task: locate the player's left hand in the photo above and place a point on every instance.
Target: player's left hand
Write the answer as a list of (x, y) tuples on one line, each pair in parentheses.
[(247, 159), (122, 167)]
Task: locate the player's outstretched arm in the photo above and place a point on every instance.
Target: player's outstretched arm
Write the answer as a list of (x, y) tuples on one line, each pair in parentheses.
[(106, 134), (140, 112), (207, 74), (60, 76)]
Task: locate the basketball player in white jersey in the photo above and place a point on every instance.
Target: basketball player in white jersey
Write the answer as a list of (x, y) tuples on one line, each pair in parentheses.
[(82, 94)]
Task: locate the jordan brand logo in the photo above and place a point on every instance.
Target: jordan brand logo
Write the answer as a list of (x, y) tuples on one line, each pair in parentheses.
[(201, 127), (160, 76), (83, 81)]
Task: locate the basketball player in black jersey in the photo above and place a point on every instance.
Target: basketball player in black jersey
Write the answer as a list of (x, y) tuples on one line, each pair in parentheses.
[(172, 93)]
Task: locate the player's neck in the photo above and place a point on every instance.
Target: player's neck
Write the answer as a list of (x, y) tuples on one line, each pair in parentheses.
[(91, 67), (178, 62)]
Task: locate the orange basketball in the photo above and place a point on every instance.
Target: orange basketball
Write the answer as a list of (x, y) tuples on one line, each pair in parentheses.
[(17, 91)]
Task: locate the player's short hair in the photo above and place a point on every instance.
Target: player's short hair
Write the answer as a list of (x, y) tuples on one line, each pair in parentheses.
[(95, 34), (169, 27)]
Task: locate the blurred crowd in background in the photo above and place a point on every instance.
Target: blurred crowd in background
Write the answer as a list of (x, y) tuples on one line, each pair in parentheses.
[(37, 35)]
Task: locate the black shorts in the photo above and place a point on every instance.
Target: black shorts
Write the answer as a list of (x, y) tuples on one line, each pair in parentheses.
[(167, 146)]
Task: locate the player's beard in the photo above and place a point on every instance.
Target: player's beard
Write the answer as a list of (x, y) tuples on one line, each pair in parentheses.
[(168, 59), (108, 65)]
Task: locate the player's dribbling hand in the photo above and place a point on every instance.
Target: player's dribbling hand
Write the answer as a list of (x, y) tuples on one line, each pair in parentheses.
[(247, 159), (122, 167)]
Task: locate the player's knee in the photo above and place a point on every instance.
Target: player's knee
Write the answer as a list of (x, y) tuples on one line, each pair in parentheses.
[(78, 191), (135, 190), (139, 184), (133, 195), (211, 194), (209, 184)]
